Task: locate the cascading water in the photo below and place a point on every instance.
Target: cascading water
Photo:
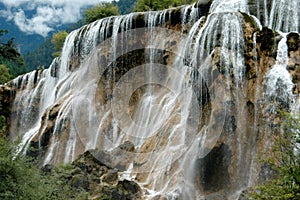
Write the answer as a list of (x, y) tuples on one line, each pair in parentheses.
[(280, 15), (229, 6), (284, 15), (278, 82), (174, 83)]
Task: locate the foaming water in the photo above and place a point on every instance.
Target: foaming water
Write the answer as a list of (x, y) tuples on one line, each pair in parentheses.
[(279, 85), (229, 6)]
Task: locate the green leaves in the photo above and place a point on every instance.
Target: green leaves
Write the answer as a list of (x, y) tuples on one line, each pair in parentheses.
[(11, 58), (125, 6), (58, 40), (21, 179), (148, 5), (4, 75), (285, 159), (100, 11)]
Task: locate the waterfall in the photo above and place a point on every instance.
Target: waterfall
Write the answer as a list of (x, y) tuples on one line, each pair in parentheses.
[(278, 82), (229, 6), (280, 15), (284, 15), (174, 83)]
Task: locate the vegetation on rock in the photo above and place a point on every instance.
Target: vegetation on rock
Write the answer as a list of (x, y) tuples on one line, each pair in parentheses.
[(3, 126), (4, 74), (22, 179), (285, 161)]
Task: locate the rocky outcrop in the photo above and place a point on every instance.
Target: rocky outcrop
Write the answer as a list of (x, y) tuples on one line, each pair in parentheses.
[(100, 181), (7, 95), (293, 42)]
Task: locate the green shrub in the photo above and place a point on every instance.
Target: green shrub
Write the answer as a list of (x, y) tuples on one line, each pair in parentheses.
[(285, 160), (148, 5), (21, 179), (58, 40), (100, 11)]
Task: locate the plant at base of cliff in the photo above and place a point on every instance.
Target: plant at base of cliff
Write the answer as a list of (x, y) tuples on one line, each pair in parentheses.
[(3, 126), (20, 179), (285, 161), (58, 40), (100, 11)]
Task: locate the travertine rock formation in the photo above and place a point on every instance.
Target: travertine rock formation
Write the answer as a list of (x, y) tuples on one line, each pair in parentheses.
[(182, 101)]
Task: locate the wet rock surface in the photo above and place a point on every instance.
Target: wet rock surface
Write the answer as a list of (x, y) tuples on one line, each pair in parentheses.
[(213, 169)]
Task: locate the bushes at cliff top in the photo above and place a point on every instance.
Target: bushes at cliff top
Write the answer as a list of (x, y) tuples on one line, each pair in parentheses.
[(100, 11), (148, 5)]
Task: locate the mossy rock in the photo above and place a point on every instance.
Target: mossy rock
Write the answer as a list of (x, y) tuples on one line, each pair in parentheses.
[(80, 181)]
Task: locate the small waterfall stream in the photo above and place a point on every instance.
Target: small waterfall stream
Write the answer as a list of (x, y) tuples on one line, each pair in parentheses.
[(279, 85)]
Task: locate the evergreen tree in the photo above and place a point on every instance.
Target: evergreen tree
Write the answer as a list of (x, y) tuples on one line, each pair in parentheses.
[(10, 57), (125, 6), (41, 56)]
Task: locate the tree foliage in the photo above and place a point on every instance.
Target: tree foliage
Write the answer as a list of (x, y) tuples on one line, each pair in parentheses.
[(10, 56), (100, 11), (41, 56), (2, 121), (285, 160), (21, 179), (58, 40), (18, 177), (4, 74), (148, 5), (2, 125), (125, 6)]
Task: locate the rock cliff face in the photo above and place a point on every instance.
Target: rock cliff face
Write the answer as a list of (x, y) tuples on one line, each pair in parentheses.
[(7, 95), (182, 101)]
